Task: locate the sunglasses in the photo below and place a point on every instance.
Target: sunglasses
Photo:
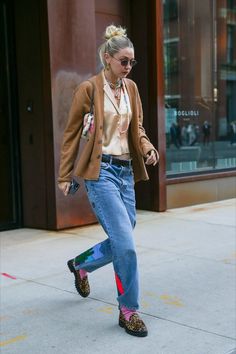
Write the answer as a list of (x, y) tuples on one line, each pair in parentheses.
[(125, 62)]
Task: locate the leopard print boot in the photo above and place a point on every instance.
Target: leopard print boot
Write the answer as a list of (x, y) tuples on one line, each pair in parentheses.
[(135, 326), (81, 285)]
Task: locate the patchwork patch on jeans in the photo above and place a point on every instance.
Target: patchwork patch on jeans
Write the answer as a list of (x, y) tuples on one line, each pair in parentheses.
[(119, 285), (90, 255)]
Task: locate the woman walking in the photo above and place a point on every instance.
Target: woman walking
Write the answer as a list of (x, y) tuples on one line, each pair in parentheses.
[(111, 162)]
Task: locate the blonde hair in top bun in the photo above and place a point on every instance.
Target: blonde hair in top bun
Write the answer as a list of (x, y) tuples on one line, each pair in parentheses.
[(115, 40), (112, 31)]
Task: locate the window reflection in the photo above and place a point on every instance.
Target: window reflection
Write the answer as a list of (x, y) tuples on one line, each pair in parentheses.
[(200, 85)]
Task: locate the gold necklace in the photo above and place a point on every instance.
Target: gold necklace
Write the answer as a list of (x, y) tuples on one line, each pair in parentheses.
[(116, 87)]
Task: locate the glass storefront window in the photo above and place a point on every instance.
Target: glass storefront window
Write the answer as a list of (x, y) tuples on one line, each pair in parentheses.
[(200, 85)]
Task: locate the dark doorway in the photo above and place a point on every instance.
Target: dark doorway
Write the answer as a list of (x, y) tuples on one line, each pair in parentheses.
[(10, 210)]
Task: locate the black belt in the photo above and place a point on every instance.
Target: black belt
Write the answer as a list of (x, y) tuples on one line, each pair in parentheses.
[(113, 161)]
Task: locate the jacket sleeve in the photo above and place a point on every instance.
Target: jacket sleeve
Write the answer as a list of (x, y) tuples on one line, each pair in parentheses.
[(72, 134), (145, 145)]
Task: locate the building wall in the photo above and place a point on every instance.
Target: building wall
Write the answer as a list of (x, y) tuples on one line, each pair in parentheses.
[(55, 44), (72, 46), (198, 192), (75, 32)]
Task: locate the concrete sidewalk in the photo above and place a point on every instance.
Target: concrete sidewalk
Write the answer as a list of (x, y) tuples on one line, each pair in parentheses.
[(188, 288)]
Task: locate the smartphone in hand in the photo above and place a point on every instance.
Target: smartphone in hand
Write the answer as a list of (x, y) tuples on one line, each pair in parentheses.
[(74, 186)]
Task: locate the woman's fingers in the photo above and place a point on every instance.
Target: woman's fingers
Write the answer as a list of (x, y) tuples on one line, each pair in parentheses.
[(64, 187), (67, 186), (152, 158)]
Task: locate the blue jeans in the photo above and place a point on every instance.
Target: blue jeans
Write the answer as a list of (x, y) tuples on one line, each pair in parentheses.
[(112, 197)]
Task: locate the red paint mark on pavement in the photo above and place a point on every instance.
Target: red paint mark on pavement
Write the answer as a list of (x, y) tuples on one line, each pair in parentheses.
[(8, 276)]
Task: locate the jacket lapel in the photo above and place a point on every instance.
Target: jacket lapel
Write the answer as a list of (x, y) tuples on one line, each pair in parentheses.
[(98, 99), (132, 96)]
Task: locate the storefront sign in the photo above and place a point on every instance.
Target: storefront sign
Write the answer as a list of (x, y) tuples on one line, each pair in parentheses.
[(191, 113)]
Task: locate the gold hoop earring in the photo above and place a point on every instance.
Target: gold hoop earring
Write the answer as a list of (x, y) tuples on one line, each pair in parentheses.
[(108, 67)]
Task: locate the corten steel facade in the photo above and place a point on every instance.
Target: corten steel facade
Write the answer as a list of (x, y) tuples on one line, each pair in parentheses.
[(50, 46)]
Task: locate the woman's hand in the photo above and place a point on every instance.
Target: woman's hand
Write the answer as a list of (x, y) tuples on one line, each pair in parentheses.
[(152, 158), (64, 187)]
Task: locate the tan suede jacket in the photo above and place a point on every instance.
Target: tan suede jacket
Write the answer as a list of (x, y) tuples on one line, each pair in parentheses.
[(88, 166)]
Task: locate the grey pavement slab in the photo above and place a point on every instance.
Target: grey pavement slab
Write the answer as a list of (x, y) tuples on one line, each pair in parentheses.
[(212, 213), (188, 288), (52, 321)]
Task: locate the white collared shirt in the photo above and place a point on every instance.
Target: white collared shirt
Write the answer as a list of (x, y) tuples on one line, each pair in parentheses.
[(116, 122)]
